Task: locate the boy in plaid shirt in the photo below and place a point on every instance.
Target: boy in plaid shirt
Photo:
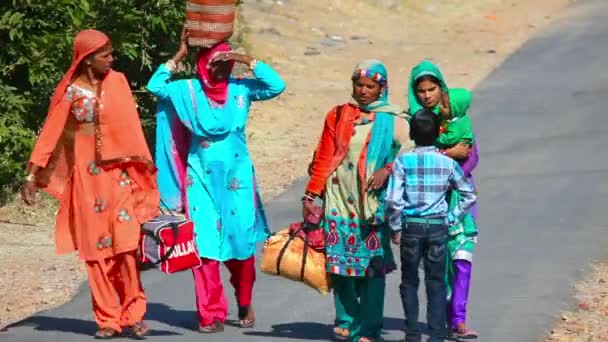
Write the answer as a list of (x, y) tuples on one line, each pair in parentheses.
[(418, 215)]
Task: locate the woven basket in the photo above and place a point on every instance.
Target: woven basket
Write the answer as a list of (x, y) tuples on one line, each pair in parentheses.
[(210, 21)]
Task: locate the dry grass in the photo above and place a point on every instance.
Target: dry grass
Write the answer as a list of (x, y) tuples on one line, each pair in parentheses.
[(468, 39), (589, 322), (15, 212)]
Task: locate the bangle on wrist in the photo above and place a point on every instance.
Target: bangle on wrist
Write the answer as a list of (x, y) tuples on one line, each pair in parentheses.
[(252, 64), (30, 178), (308, 197), (389, 167), (171, 65)]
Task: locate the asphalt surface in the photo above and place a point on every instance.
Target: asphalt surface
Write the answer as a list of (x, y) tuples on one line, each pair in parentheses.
[(542, 126)]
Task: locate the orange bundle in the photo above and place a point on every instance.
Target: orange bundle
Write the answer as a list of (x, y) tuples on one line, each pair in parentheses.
[(286, 254), (210, 21)]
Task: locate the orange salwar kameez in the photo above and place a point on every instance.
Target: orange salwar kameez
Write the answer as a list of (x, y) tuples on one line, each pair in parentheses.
[(95, 161)]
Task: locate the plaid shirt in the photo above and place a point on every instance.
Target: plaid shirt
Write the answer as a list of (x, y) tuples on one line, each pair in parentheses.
[(419, 184)]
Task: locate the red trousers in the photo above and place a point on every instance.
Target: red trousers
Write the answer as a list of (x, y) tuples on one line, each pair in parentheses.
[(118, 298), (211, 301)]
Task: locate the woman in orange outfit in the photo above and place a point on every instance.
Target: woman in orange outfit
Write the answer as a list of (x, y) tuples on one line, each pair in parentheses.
[(92, 156)]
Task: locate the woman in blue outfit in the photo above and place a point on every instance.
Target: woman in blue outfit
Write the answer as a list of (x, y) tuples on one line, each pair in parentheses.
[(205, 170)]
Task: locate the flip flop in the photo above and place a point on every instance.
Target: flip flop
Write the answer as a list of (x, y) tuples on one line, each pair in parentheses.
[(464, 333), (106, 334), (245, 322), (212, 328), (140, 330)]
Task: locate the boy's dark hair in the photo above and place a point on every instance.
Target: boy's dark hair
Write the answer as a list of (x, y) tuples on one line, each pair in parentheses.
[(424, 128)]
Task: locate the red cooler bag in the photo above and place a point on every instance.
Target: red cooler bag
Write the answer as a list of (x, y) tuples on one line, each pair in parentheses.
[(167, 242)]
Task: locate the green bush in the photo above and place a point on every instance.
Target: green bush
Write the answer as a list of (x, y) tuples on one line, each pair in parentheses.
[(35, 50)]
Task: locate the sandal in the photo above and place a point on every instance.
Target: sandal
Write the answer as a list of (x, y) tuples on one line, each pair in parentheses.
[(341, 333), (463, 332), (212, 328), (140, 330), (106, 334), (246, 317)]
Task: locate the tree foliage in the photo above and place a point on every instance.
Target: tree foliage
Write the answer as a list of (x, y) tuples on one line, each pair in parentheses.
[(36, 39)]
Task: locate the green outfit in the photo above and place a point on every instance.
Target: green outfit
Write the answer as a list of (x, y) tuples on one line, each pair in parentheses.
[(459, 128), (359, 305), (357, 236), (424, 68), (462, 236)]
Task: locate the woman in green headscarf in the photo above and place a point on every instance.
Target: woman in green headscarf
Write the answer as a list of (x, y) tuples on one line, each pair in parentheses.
[(428, 89), (350, 169)]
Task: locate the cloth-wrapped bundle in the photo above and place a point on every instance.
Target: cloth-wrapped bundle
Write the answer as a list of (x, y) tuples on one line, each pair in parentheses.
[(288, 255), (209, 21), (315, 237)]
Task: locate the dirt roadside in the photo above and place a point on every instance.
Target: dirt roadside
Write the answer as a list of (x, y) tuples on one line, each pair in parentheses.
[(314, 46), (587, 323)]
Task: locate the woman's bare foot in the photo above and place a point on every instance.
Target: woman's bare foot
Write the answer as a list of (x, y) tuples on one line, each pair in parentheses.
[(341, 333)]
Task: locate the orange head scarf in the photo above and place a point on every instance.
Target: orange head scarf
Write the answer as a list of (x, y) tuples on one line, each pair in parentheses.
[(85, 43), (119, 137)]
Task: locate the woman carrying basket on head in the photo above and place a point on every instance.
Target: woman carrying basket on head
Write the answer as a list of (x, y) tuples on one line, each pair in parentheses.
[(206, 170)]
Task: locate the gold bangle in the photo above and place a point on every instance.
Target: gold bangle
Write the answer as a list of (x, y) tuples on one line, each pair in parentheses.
[(30, 178)]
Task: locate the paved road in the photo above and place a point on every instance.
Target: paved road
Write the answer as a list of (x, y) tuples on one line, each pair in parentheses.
[(542, 124)]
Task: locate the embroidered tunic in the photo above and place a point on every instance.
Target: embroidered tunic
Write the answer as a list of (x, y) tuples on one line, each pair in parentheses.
[(100, 202), (355, 239)]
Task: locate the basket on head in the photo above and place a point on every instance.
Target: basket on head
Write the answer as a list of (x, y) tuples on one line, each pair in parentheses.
[(210, 21)]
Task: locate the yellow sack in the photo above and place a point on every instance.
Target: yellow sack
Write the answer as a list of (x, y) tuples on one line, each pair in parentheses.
[(290, 265)]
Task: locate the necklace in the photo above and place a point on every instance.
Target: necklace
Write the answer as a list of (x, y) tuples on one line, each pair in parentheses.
[(366, 120)]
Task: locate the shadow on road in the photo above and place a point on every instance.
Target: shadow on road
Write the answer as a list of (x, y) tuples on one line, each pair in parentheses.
[(163, 313), (299, 330), (315, 331), (71, 325)]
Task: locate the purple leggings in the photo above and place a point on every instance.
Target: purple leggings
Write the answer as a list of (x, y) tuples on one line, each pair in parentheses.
[(457, 310), (457, 307)]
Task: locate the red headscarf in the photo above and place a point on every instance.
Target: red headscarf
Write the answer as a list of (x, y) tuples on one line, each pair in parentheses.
[(119, 136), (216, 91)]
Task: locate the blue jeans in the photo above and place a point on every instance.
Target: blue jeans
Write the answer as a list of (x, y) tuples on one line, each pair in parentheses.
[(427, 242)]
